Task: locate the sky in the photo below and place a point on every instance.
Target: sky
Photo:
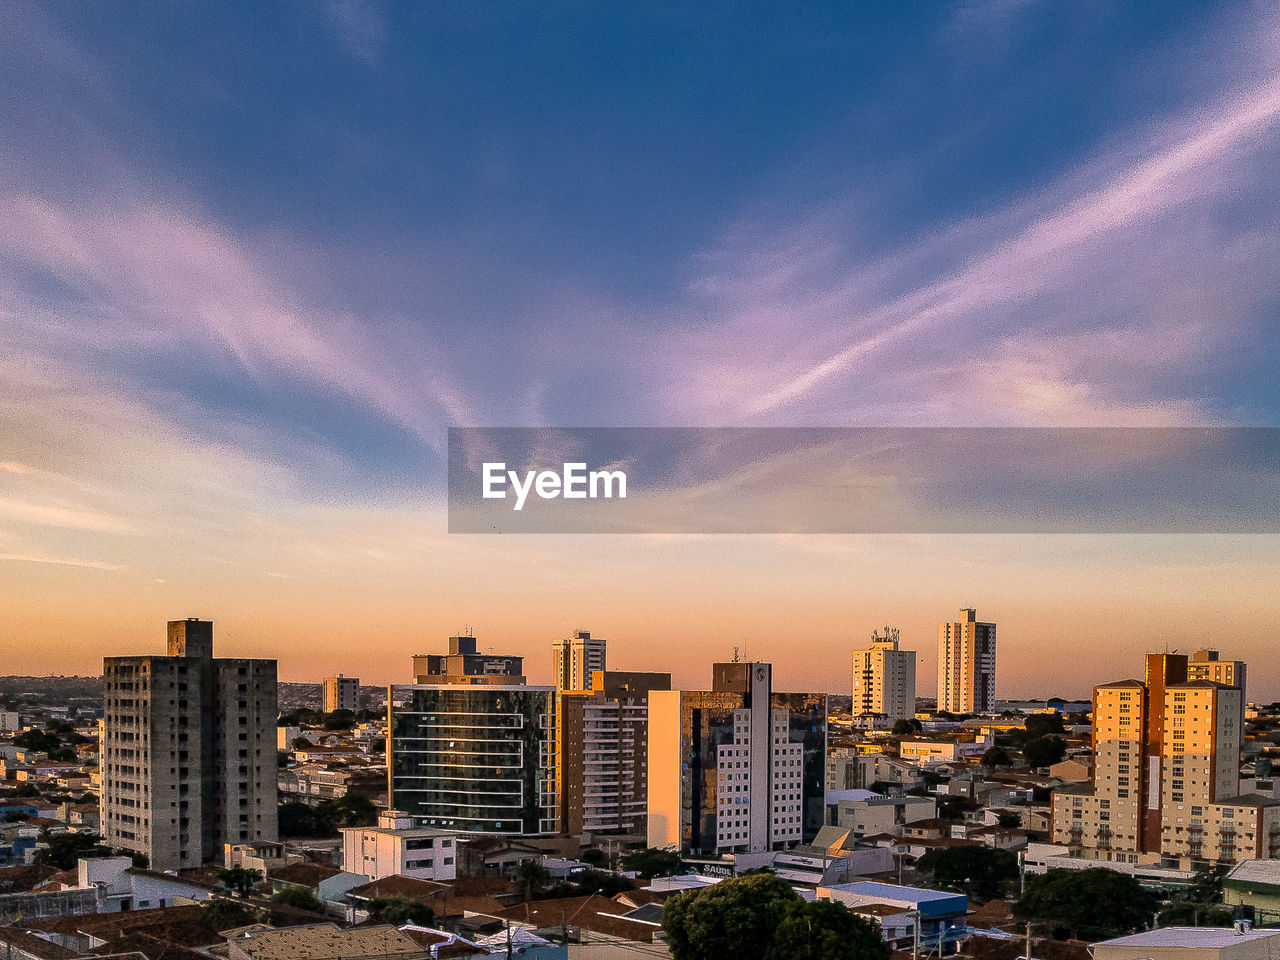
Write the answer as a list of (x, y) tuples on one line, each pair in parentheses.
[(255, 259)]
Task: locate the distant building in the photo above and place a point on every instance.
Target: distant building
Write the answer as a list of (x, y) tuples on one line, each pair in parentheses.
[(188, 755), (473, 759), (738, 768), (602, 752), (967, 665), (866, 814), (1165, 786), (340, 693), (884, 679), (396, 847), (465, 664), (575, 659)]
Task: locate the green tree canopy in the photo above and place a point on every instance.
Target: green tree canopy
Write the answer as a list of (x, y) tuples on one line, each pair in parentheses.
[(981, 872), (239, 879), (602, 882), (1042, 724), (735, 918), (996, 757), (223, 914), (298, 898), (1044, 751), (398, 910), (531, 879), (1187, 913), (652, 862), (1094, 904), (907, 726), (823, 930), (64, 849)]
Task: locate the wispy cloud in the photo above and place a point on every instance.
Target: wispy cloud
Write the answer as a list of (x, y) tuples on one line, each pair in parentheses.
[(359, 25)]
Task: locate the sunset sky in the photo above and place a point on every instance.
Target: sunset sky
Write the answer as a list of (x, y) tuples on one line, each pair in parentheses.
[(255, 260)]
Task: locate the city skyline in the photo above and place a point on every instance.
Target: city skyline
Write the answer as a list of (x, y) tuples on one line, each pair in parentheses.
[(253, 270)]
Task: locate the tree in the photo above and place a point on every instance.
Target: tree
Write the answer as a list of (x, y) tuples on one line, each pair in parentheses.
[(1206, 884), (531, 879), (340, 720), (350, 810), (652, 862), (602, 882), (1044, 751), (1042, 724), (907, 726), (239, 879), (735, 918), (301, 743), (1009, 820), (996, 757), (399, 910), (593, 855), (1187, 913), (298, 898), (824, 930), (223, 914), (1097, 904), (64, 849), (34, 739), (981, 872)]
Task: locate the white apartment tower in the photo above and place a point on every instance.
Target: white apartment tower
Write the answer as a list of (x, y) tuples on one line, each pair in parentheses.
[(576, 658), (884, 678), (188, 751), (967, 665)]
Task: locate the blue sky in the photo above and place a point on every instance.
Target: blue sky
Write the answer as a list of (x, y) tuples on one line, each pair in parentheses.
[(257, 258)]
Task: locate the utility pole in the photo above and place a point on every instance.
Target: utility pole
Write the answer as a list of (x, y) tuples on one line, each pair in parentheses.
[(509, 954), (915, 938), (1028, 940)]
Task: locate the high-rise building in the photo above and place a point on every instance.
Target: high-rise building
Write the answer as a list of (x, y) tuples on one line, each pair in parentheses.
[(884, 679), (1165, 786), (473, 758), (188, 751), (967, 665), (340, 693), (465, 664), (575, 659), (602, 752), (738, 768)]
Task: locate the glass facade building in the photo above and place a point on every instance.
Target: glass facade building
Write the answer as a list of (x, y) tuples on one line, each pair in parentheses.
[(476, 759)]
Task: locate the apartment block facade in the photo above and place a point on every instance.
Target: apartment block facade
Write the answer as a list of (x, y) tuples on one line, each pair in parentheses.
[(473, 757), (738, 768), (967, 665), (884, 679), (602, 753), (1165, 786), (464, 663), (188, 752), (576, 659), (339, 693)]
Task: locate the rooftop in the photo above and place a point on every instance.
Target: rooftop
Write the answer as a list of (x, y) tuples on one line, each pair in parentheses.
[(1191, 937), (891, 891), (324, 941)]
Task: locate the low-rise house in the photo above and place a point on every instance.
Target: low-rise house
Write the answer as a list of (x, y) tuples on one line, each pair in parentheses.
[(941, 913), (396, 846), (1253, 883), (324, 941), (867, 813)]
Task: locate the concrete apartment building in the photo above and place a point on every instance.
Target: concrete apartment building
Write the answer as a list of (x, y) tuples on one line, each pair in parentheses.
[(967, 665), (464, 663), (884, 679), (602, 753), (737, 769), (1165, 787), (396, 846), (575, 659), (339, 693), (188, 752)]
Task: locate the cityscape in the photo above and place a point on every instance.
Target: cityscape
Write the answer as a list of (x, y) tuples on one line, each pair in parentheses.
[(639, 481), (468, 812)]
